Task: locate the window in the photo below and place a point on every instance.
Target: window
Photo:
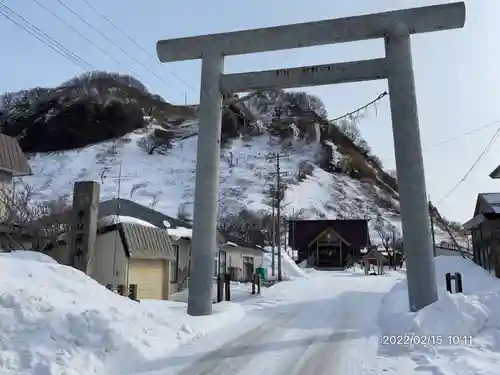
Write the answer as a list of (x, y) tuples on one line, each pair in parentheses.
[(174, 269)]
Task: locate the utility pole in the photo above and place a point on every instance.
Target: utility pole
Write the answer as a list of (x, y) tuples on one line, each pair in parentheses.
[(431, 216), (277, 201), (273, 236)]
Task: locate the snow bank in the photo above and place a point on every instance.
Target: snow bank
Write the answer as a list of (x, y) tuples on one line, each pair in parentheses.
[(56, 320), (464, 329), (289, 268), (28, 255)]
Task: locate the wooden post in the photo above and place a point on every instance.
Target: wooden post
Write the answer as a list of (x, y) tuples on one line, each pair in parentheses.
[(220, 287), (83, 228), (256, 283), (132, 292), (317, 255), (433, 234), (228, 287), (120, 289), (341, 259)]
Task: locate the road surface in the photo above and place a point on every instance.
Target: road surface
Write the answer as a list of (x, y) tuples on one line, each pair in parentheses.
[(323, 325)]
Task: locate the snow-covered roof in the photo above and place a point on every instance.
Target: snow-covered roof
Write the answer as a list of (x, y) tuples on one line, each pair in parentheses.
[(115, 219), (180, 232), (493, 199)]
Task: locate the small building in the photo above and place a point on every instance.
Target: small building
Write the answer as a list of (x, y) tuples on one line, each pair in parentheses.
[(127, 254), (376, 258), (13, 163), (239, 258), (125, 211), (485, 232), (328, 243)]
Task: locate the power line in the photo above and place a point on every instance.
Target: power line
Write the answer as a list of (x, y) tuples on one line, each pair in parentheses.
[(456, 138), (460, 136), (350, 114), (120, 30), (85, 37), (40, 35), (110, 40), (137, 44), (484, 152)]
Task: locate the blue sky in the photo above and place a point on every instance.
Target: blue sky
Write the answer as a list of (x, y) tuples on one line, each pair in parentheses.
[(456, 71)]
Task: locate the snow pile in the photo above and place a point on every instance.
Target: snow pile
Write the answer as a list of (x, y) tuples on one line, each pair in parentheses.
[(289, 268), (28, 255), (115, 219), (462, 330), (56, 320)]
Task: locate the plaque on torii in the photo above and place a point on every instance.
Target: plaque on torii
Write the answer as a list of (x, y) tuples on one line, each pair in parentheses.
[(395, 28)]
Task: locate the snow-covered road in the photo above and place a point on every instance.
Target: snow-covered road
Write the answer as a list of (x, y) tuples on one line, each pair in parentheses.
[(326, 324)]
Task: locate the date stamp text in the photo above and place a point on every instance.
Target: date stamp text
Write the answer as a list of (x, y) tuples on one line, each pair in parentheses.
[(425, 340)]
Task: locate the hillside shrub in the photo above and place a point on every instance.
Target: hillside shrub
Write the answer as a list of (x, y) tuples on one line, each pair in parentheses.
[(306, 168)]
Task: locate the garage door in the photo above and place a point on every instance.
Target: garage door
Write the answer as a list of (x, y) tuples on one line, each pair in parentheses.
[(149, 275)]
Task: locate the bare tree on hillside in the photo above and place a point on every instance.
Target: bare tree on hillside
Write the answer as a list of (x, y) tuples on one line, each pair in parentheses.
[(386, 232), (244, 225), (349, 129), (18, 207), (155, 143)]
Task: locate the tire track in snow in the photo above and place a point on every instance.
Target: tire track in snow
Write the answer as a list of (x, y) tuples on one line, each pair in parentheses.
[(348, 354), (289, 345), (285, 345), (234, 356)]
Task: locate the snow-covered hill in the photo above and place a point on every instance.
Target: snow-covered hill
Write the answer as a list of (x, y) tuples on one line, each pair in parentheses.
[(166, 182), (150, 148)]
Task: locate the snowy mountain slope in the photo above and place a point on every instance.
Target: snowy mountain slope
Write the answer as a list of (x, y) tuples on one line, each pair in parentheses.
[(166, 182), (107, 127)]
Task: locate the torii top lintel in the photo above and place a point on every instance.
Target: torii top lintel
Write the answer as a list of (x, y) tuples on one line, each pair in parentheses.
[(339, 30)]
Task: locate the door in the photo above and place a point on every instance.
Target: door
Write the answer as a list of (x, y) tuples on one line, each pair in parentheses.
[(248, 268), (149, 275), (222, 262), (329, 256)]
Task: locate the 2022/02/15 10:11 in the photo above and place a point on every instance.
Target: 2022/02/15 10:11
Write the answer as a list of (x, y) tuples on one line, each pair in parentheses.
[(426, 340)]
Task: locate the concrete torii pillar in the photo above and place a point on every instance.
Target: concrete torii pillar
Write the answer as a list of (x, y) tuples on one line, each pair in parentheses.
[(395, 28)]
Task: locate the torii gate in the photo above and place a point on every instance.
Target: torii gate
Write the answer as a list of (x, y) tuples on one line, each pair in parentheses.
[(395, 27)]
